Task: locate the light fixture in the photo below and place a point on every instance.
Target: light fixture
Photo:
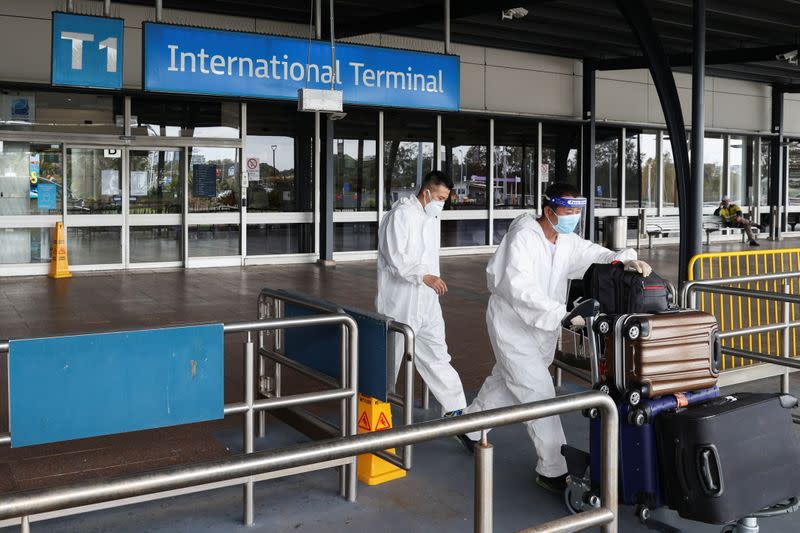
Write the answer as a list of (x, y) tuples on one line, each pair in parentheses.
[(790, 57), (513, 13)]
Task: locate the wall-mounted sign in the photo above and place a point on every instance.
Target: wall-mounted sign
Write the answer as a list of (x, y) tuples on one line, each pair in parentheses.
[(193, 60), (86, 51)]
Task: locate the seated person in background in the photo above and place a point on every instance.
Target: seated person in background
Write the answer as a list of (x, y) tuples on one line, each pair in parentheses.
[(731, 215)]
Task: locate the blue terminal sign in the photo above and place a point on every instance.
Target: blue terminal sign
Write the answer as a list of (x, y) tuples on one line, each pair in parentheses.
[(200, 61), (86, 51)]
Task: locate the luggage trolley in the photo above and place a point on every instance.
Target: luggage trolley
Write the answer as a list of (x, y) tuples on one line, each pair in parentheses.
[(640, 481)]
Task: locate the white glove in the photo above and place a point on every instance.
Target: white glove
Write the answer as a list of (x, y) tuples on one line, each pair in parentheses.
[(576, 323), (639, 266)]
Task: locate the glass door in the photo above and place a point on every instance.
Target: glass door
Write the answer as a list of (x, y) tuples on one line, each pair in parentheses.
[(155, 206), (94, 218)]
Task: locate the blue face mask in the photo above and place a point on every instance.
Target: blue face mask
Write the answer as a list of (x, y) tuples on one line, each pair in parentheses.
[(566, 223)]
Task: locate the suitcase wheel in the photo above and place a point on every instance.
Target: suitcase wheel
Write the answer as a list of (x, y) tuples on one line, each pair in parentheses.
[(642, 513), (633, 397), (602, 326), (637, 418), (633, 331), (579, 497)]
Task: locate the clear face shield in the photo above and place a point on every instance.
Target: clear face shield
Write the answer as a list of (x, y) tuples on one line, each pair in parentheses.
[(566, 214)]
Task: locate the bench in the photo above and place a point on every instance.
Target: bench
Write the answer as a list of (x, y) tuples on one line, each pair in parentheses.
[(664, 225)]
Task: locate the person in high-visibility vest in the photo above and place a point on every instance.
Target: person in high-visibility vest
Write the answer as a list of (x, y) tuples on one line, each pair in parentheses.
[(731, 215)]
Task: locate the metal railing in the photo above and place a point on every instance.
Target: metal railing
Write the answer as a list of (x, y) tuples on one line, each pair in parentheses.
[(25, 505), (344, 391), (271, 304), (784, 323)]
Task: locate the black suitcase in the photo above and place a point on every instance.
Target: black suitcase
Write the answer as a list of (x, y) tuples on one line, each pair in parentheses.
[(729, 457), (620, 292)]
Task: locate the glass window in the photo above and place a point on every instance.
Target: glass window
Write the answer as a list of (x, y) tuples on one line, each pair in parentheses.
[(738, 169), (764, 169), (26, 169), (514, 164), (355, 236), (500, 229), (213, 180), (213, 240), (93, 181), (25, 245), (606, 167), (713, 149), (61, 112), (152, 244), (408, 148), (561, 153), (181, 118), (156, 181), (94, 246), (641, 169), (670, 181), (464, 143), (463, 233), (355, 162), (793, 178), (268, 239), (280, 146)]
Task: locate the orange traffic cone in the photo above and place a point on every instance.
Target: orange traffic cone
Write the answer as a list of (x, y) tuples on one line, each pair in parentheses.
[(59, 266), (375, 415)]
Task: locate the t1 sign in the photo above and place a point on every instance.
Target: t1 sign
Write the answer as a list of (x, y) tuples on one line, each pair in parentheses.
[(87, 51)]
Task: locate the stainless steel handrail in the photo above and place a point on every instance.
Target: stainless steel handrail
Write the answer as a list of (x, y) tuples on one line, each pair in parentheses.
[(26, 503), (687, 286)]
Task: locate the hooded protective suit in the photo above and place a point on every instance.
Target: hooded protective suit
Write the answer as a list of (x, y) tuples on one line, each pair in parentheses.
[(528, 282), (408, 249)]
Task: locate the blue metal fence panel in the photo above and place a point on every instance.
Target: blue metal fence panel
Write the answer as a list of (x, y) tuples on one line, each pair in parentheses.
[(72, 387), (319, 348)]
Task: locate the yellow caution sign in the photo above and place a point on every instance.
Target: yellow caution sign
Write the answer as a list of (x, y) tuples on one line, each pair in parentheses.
[(375, 415), (59, 266)]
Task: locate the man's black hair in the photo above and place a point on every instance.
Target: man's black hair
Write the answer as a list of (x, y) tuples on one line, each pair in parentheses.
[(435, 178), (560, 189)]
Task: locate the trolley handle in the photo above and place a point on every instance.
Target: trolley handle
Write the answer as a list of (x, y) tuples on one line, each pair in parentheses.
[(588, 308)]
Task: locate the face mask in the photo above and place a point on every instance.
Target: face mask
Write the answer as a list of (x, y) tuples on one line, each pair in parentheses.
[(434, 207), (566, 223)]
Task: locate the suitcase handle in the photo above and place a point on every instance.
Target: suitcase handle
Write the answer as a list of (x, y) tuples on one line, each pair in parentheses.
[(709, 470), (716, 362)]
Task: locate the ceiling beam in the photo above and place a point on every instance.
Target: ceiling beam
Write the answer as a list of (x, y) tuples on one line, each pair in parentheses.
[(713, 57)]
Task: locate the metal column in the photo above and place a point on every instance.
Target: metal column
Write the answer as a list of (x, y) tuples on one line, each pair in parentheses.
[(326, 195), (589, 131), (484, 481), (693, 214), (776, 165), (641, 23)]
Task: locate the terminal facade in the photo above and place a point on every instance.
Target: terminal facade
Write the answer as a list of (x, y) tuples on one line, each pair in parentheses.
[(122, 168)]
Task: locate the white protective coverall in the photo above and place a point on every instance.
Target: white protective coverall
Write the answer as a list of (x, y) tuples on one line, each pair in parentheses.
[(408, 249), (528, 285)]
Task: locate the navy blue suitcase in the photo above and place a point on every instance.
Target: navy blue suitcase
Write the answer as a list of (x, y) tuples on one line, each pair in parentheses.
[(639, 472)]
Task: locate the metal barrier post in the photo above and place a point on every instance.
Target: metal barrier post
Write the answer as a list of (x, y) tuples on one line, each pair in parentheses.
[(484, 482), (249, 425), (278, 347), (343, 411), (559, 377), (25, 526), (787, 289), (426, 396)]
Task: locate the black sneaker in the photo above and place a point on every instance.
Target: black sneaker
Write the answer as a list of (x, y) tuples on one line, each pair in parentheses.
[(556, 485), (754, 243)]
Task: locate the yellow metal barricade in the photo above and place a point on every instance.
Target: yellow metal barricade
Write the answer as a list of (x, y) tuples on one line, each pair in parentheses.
[(737, 312)]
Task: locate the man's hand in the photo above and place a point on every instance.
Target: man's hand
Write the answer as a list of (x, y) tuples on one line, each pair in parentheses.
[(639, 266), (436, 283)]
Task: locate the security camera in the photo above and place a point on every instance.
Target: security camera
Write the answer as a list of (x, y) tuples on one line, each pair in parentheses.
[(513, 13), (337, 116), (790, 57)]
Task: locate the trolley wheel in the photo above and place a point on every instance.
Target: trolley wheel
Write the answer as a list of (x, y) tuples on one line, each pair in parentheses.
[(602, 326), (637, 418), (633, 331), (642, 513), (634, 397), (577, 495)]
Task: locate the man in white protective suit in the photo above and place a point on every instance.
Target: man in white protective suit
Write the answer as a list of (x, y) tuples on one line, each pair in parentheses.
[(527, 278), (409, 285)]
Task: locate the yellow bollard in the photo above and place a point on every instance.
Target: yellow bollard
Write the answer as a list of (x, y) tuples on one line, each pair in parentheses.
[(59, 266), (375, 415)]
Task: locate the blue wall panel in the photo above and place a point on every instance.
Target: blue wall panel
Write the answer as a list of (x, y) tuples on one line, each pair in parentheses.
[(78, 386)]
